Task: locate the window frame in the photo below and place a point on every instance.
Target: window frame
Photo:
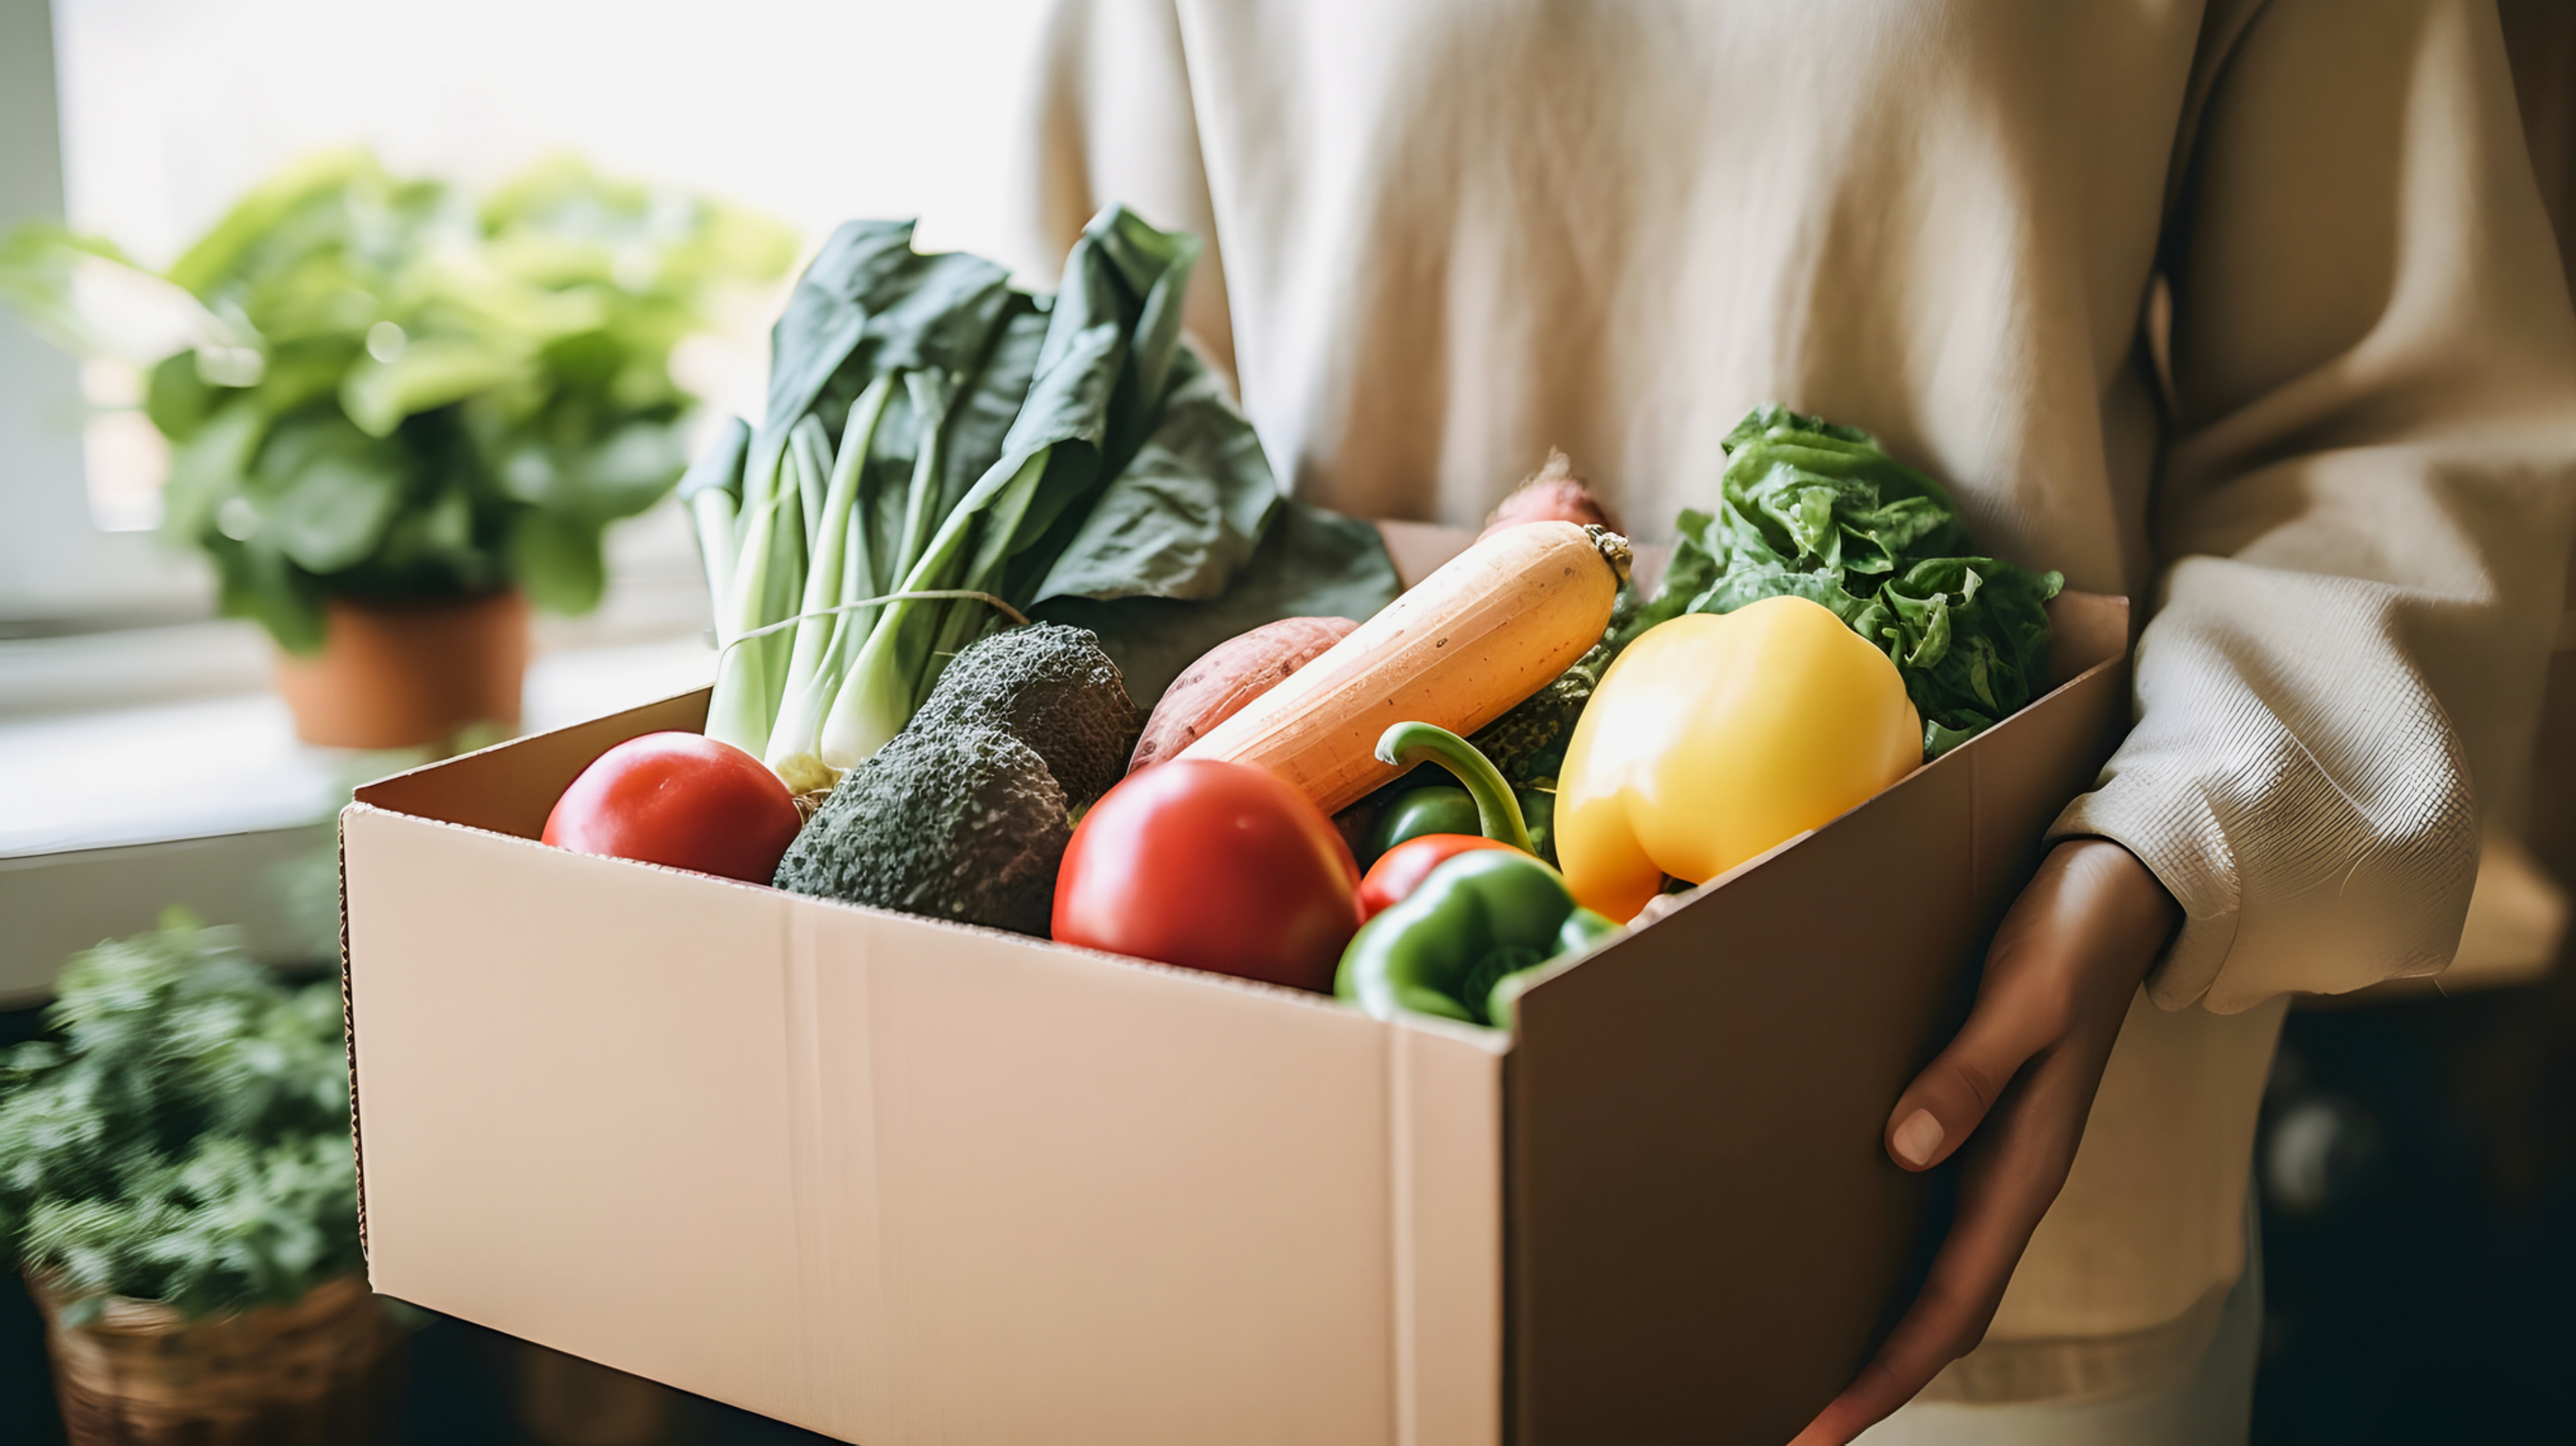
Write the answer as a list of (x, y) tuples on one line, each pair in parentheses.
[(59, 572)]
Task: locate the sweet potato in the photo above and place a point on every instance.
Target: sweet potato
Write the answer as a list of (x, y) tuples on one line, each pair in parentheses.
[(1228, 676)]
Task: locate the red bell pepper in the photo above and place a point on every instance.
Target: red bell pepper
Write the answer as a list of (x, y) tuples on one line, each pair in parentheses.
[(1402, 868)]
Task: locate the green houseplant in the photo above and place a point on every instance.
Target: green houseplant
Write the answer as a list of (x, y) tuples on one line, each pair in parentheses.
[(384, 398), (178, 1185)]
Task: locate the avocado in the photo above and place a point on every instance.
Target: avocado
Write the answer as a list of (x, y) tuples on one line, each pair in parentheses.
[(952, 823), (1052, 688), (965, 814)]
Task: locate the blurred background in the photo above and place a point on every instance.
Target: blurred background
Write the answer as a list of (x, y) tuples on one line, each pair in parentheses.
[(2418, 1156)]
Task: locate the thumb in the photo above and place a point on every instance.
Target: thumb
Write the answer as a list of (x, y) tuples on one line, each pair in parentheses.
[(1950, 1098)]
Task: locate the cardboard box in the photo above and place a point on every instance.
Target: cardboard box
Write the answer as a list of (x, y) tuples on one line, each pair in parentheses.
[(905, 1182)]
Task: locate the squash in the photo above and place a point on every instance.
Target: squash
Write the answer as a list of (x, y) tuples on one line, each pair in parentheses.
[(1492, 626)]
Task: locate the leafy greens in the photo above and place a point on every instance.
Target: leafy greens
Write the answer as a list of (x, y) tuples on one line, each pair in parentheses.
[(940, 452), (1810, 509)]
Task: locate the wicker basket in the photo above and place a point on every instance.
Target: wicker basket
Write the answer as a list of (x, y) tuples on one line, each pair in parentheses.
[(305, 1374)]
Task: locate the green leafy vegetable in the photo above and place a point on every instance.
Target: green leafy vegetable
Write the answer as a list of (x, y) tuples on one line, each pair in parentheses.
[(1814, 510), (187, 1139), (941, 453), (1310, 563)]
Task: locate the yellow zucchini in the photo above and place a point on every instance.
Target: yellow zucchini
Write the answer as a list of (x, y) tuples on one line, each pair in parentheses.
[(1491, 627)]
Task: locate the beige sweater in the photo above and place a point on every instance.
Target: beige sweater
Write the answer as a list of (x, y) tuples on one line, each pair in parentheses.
[(2252, 314)]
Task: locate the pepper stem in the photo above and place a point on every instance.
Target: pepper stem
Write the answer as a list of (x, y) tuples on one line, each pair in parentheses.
[(1498, 813)]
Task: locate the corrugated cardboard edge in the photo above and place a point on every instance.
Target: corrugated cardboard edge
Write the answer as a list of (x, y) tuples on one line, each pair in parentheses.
[(349, 1030)]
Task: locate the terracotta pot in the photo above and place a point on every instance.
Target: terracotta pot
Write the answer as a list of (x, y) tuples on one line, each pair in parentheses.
[(316, 1373), (401, 674)]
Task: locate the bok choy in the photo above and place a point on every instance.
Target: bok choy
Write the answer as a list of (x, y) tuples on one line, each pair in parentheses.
[(941, 454)]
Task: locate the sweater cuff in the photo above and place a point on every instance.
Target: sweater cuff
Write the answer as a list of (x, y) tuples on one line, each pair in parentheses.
[(2172, 831)]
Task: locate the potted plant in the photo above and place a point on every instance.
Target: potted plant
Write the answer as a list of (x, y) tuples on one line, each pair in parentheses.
[(178, 1187), (397, 418)]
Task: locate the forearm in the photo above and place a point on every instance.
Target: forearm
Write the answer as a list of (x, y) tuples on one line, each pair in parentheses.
[(2367, 500)]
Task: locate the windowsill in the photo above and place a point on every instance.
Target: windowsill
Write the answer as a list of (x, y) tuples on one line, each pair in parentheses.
[(108, 816), (223, 765)]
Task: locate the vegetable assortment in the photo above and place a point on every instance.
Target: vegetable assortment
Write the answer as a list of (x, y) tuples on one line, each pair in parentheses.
[(943, 455)]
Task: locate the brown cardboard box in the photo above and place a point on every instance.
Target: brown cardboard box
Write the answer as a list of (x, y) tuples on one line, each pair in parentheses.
[(906, 1182)]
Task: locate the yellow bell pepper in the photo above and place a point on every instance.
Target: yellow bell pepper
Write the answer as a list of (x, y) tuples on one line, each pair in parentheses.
[(1716, 737)]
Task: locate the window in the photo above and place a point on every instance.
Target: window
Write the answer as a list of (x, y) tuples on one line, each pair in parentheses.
[(811, 110)]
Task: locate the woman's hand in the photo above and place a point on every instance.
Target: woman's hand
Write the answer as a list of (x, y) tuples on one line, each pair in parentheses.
[(2058, 981)]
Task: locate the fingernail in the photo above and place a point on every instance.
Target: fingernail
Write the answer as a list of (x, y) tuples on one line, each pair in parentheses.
[(1918, 1138)]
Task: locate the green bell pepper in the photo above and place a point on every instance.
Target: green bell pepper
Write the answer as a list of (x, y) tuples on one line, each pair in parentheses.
[(1498, 810), (1463, 944), (1435, 808), (1445, 808), (1538, 811)]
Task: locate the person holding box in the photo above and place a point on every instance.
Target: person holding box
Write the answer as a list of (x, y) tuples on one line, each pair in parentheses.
[(2245, 309)]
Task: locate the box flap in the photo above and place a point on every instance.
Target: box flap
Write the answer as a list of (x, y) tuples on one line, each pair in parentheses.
[(511, 787), (1706, 1237)]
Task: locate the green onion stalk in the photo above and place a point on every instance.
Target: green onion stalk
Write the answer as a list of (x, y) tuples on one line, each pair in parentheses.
[(768, 586), (900, 660), (842, 571)]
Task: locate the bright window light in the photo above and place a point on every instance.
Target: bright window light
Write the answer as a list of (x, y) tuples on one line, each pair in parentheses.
[(814, 111)]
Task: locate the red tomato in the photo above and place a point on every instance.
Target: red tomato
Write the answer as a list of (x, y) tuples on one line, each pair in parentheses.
[(1215, 866), (1401, 869), (678, 799)]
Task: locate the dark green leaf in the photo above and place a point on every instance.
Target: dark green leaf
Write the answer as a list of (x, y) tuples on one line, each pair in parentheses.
[(1311, 563), (1184, 514), (1005, 533), (867, 285)]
